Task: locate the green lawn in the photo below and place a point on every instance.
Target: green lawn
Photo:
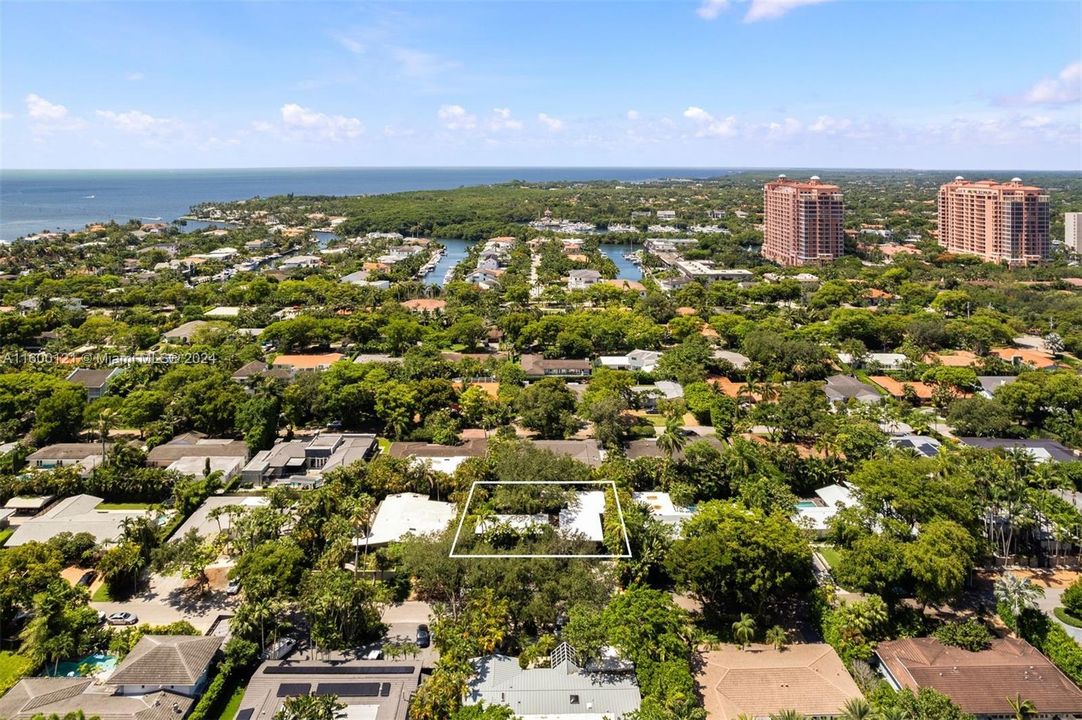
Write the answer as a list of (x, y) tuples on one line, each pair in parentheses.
[(123, 506), (102, 594), (1067, 617), (829, 554), (12, 667), (230, 710), (5, 534)]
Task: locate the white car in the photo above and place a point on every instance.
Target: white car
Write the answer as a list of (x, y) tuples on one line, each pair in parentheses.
[(122, 618)]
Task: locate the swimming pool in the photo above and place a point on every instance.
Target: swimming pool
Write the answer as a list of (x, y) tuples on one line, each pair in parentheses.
[(806, 504), (97, 663)]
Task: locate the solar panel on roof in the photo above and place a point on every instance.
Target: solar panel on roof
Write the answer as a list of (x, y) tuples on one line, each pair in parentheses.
[(245, 714), (339, 670), (293, 689), (385, 690), (348, 689)]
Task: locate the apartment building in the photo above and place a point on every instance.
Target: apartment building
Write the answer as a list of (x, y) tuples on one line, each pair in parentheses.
[(802, 221), (998, 222), (1072, 232)]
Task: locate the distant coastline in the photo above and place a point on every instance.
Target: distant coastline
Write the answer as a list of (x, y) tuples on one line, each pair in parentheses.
[(37, 200)]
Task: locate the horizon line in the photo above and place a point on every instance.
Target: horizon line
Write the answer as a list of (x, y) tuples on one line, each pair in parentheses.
[(750, 168)]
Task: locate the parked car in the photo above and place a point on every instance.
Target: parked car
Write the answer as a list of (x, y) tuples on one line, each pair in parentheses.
[(122, 618), (424, 638), (280, 649), (233, 587), (87, 579)]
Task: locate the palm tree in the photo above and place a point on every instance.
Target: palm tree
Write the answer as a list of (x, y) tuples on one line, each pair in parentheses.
[(672, 440), (787, 715), (106, 420), (856, 709), (744, 630), (892, 713), (777, 637), (1018, 594), (1022, 708)]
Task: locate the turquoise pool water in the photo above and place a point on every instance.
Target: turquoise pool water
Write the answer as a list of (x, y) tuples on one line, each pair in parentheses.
[(806, 504), (98, 663)]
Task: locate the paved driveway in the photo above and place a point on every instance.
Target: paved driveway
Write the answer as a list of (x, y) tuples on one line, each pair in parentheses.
[(1054, 583), (169, 599), (402, 621)]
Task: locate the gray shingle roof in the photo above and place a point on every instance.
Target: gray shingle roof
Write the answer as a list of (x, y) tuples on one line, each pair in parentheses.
[(60, 696), (166, 660)]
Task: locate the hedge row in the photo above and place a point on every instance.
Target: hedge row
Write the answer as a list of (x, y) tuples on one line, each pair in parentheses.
[(1049, 637)]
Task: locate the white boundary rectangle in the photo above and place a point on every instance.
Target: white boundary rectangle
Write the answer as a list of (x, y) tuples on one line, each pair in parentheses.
[(608, 556)]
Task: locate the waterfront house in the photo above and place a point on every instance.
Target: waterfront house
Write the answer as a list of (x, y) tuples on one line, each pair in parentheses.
[(582, 279)]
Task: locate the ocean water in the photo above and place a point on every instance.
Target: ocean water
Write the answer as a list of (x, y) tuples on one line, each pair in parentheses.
[(36, 200)]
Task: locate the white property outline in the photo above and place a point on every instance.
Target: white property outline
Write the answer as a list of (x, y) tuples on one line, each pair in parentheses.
[(609, 556)]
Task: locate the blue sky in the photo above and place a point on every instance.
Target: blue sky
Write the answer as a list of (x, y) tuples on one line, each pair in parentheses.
[(969, 84)]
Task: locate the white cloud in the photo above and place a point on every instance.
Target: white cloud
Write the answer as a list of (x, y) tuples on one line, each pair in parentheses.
[(455, 117), (136, 122), (710, 9), (304, 121), (787, 127), (829, 125), (554, 124), (710, 126), (421, 65), (503, 120), (351, 44), (46, 117), (38, 108), (773, 9), (1061, 90), (134, 76), (393, 131), (6, 116), (633, 115)]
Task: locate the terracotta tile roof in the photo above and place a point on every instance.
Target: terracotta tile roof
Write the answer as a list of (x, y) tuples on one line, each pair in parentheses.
[(897, 387), (424, 304), (307, 362), (166, 660), (1036, 358), (955, 358), (980, 682), (732, 389), (626, 285), (761, 681)]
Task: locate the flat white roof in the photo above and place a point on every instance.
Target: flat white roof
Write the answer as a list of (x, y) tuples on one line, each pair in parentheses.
[(659, 502), (442, 464), (584, 517), (223, 311), (407, 513), (195, 465), (833, 494)]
